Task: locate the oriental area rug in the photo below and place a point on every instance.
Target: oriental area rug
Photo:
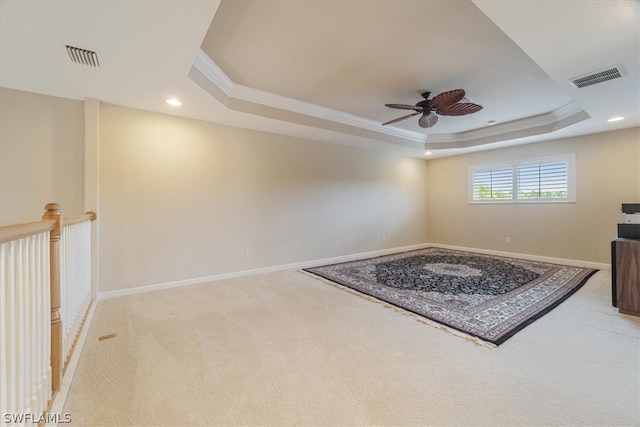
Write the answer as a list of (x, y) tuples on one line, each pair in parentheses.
[(486, 297)]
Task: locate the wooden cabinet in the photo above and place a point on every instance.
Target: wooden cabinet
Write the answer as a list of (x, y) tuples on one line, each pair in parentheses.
[(625, 264)]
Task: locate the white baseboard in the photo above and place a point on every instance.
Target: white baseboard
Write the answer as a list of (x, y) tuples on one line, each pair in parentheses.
[(551, 260), (333, 260), (296, 265), (57, 406)]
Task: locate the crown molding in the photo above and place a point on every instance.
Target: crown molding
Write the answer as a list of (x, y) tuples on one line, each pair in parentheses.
[(273, 100), (529, 126), (233, 91), (212, 72), (235, 96)]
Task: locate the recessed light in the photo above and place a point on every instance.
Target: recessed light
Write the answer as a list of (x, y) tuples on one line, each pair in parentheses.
[(427, 153), (615, 119), (174, 102), (491, 122)]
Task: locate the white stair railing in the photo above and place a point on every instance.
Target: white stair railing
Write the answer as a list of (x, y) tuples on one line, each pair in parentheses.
[(25, 328), (75, 281), (45, 295)]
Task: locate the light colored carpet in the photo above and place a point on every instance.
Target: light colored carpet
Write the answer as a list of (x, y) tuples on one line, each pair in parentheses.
[(286, 349)]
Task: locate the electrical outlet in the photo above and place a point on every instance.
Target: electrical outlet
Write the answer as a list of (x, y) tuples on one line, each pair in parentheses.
[(247, 253), (507, 240)]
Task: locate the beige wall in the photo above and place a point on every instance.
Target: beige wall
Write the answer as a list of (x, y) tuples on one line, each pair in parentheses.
[(607, 174), (41, 155), (183, 199)]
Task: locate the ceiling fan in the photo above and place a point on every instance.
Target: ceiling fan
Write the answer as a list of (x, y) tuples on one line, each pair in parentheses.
[(445, 104)]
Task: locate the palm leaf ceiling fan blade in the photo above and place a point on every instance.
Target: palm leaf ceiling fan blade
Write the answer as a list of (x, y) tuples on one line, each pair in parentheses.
[(447, 98), (401, 118), (459, 109), (405, 107)]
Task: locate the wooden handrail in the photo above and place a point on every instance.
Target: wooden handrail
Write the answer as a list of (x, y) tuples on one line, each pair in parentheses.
[(18, 231), (88, 216)]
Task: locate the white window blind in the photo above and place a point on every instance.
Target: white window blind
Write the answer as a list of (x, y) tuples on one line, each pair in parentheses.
[(491, 184), (537, 180), (543, 181)]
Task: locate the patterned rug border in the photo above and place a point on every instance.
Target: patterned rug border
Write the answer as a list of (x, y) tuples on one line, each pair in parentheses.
[(416, 316), (438, 324)]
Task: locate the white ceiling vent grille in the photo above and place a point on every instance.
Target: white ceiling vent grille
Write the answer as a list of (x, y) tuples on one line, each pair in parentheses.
[(83, 56), (597, 77)]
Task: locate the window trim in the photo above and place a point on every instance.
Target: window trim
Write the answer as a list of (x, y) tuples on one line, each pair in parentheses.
[(571, 180)]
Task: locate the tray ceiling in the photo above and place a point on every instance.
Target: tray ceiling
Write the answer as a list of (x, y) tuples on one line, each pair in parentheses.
[(324, 70)]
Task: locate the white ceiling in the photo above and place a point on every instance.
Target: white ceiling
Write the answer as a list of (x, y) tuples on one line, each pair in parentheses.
[(323, 70)]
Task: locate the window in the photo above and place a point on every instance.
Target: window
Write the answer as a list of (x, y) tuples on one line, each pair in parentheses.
[(542, 180), (493, 184)]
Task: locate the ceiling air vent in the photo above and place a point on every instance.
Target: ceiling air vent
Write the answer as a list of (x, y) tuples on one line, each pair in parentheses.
[(83, 56), (597, 77)]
